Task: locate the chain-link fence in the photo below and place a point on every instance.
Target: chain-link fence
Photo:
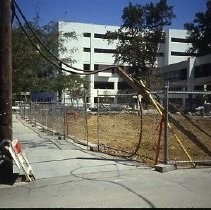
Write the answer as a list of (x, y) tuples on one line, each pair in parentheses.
[(49, 116), (189, 138), (120, 125), (126, 125)]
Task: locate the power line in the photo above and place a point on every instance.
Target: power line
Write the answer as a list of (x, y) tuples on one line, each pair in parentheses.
[(85, 72), (41, 42), (35, 46)]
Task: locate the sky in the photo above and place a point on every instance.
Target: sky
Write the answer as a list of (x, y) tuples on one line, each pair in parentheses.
[(105, 12)]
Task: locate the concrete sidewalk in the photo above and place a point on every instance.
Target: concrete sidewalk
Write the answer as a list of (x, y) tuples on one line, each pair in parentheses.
[(68, 175)]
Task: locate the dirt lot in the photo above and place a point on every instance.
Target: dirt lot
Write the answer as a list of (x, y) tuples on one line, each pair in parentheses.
[(120, 134)]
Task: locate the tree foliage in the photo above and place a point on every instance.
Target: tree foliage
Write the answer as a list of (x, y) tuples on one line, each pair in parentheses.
[(140, 36), (31, 72), (200, 32)]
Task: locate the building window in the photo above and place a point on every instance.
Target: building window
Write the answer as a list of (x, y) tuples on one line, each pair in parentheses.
[(202, 70), (101, 66), (123, 86), (183, 53), (87, 49), (104, 100), (98, 50), (176, 75), (176, 88), (96, 66), (159, 54), (87, 34), (103, 85), (101, 36), (87, 99), (86, 66), (180, 40)]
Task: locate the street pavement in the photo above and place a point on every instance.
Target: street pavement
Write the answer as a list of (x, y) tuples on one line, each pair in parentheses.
[(68, 175)]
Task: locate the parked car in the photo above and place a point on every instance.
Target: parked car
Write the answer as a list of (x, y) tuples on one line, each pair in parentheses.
[(15, 109)]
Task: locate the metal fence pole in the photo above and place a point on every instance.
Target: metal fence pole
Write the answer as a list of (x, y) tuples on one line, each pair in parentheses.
[(30, 110), (64, 117), (98, 126), (34, 113), (24, 110), (166, 101), (46, 116), (86, 118)]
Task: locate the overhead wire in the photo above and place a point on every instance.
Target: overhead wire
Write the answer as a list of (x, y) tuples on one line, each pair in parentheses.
[(84, 72), (59, 67), (54, 64), (37, 48), (42, 43), (77, 70)]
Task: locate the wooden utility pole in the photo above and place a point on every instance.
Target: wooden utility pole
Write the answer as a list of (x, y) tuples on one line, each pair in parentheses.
[(6, 167)]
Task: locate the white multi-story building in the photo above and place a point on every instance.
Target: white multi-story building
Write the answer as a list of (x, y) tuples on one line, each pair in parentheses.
[(175, 47), (182, 69), (93, 52), (193, 74)]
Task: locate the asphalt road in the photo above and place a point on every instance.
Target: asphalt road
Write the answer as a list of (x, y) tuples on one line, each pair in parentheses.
[(68, 175)]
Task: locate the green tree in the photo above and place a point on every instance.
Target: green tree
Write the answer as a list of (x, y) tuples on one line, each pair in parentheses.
[(25, 61), (140, 36), (75, 86), (200, 32), (32, 72)]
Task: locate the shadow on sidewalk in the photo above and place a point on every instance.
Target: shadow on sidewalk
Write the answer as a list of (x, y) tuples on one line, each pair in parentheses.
[(16, 177)]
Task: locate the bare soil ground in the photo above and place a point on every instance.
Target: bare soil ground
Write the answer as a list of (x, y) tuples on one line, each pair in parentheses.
[(122, 134)]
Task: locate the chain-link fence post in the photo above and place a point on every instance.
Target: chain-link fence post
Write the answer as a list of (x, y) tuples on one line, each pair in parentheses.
[(86, 119), (24, 110), (98, 123), (64, 118), (46, 116), (166, 101)]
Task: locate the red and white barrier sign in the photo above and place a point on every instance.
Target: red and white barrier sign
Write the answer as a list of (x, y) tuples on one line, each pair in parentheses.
[(16, 146), (20, 159)]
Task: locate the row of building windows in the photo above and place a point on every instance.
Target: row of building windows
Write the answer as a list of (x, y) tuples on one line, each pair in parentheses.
[(202, 70), (110, 85), (103, 85), (100, 50), (97, 67), (100, 36), (181, 40), (109, 100), (103, 36), (199, 71), (183, 53), (111, 51), (114, 100), (176, 75)]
